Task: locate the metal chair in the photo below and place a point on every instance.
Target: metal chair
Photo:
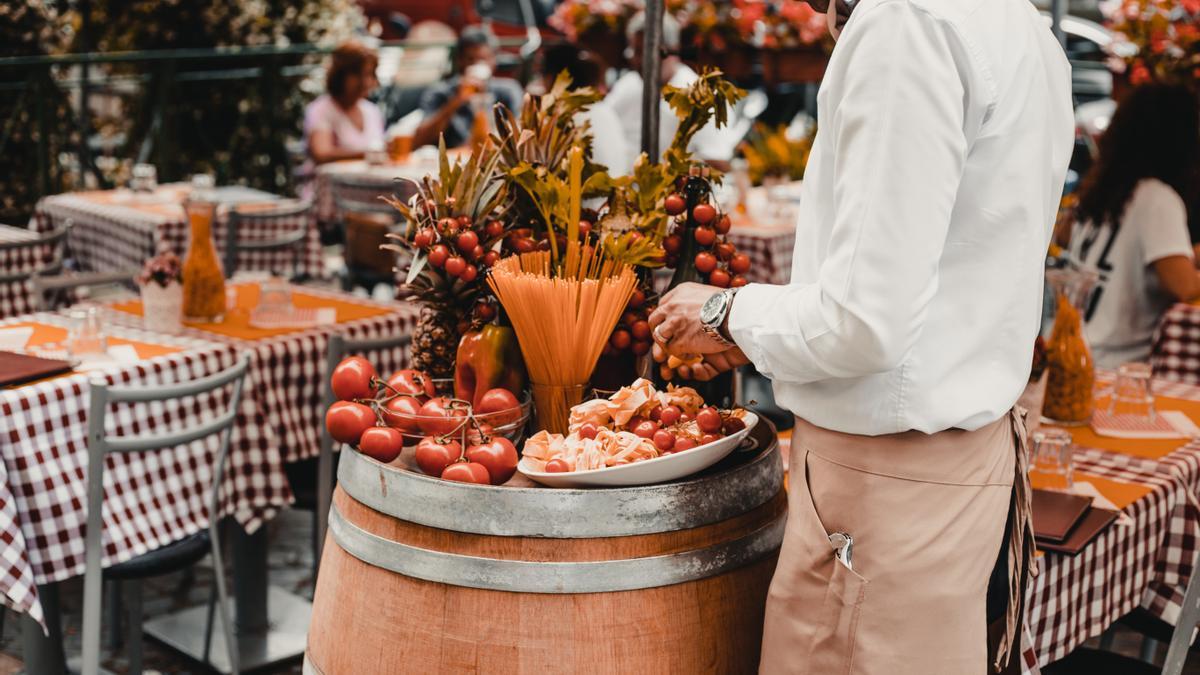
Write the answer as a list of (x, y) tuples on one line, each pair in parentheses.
[(318, 497), (53, 240), (60, 284), (267, 220), (177, 555), (1088, 661), (365, 220)]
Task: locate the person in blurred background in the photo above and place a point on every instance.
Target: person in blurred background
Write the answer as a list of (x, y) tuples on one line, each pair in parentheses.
[(714, 145), (342, 123), (1132, 220), (609, 146), (448, 106)]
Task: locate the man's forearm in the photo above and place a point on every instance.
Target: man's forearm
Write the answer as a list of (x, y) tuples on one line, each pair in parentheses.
[(433, 126)]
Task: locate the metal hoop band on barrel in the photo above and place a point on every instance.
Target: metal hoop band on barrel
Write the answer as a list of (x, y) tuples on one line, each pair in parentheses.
[(562, 514), (522, 576)]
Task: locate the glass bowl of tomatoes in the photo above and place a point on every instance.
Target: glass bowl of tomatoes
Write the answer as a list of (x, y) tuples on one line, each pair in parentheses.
[(498, 412)]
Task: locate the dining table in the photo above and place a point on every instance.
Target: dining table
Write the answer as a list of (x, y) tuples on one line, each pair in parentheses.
[(1145, 558), (157, 497), (16, 263), (117, 230), (1175, 347)]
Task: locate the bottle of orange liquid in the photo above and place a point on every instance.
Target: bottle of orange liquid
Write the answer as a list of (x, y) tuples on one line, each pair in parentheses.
[(203, 277)]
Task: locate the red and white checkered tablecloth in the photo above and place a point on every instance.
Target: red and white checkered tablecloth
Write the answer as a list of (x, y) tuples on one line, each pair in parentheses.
[(1145, 564), (113, 231), (1175, 354), (770, 250), (151, 498), (289, 370), (370, 181), (16, 297)]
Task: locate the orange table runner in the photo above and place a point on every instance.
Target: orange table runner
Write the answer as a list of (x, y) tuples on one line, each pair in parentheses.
[(237, 321), (1148, 448), (46, 335), (1119, 493)]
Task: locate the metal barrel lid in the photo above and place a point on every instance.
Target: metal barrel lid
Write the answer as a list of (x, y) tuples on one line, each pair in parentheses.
[(748, 479)]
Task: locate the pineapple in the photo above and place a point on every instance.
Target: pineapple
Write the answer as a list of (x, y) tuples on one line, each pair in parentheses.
[(435, 342)]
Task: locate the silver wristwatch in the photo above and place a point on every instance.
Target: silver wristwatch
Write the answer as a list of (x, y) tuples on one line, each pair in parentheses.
[(713, 313)]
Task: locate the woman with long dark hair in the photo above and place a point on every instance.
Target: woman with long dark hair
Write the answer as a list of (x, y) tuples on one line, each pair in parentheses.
[(1132, 220)]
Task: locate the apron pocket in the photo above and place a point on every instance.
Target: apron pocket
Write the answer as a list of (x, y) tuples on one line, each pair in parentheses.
[(836, 633)]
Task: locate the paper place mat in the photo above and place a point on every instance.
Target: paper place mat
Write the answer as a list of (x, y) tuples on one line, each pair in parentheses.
[(15, 339), (297, 317), (1166, 424), (116, 355)]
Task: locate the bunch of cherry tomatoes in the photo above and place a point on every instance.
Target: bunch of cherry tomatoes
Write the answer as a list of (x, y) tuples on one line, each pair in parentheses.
[(454, 440), (632, 332), (717, 260)]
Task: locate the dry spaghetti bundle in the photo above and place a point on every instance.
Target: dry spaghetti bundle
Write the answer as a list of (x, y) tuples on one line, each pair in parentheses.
[(562, 314)]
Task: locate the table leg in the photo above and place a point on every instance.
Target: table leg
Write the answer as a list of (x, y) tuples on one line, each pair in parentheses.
[(250, 580), (44, 653)]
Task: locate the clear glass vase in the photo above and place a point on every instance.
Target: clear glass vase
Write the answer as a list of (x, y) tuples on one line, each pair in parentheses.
[(1070, 369)]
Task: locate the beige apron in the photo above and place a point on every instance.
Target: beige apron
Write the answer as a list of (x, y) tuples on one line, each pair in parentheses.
[(927, 514)]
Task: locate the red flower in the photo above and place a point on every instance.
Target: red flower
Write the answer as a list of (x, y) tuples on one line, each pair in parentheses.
[(1139, 75)]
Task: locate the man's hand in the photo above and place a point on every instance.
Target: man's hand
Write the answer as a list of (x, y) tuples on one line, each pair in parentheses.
[(676, 323), (713, 364)]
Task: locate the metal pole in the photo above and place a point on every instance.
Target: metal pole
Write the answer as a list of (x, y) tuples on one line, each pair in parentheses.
[(651, 76), (1058, 9)]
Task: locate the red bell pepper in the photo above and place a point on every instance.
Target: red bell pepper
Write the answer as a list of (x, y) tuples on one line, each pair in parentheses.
[(488, 358)]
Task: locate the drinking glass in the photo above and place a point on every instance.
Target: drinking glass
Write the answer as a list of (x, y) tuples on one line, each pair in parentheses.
[(1053, 466), (275, 294), (144, 178), (400, 147), (1132, 393), (86, 335)]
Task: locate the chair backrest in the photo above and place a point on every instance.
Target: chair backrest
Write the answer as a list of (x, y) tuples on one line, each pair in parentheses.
[(1185, 625), (339, 347), (288, 226), (28, 255), (62, 286)]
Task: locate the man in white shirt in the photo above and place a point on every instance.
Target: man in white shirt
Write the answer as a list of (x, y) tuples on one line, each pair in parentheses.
[(905, 336), (625, 97)]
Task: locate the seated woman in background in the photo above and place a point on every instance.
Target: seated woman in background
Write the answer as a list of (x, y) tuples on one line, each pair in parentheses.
[(342, 123), (1132, 220)]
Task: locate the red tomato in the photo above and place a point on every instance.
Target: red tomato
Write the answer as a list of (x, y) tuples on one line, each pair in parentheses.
[(557, 465), (588, 431), (476, 253), (725, 250), (629, 318), (724, 224), (434, 455), (494, 229), (346, 421), (669, 416), (739, 264), (634, 421), (466, 241), (381, 443), (710, 438), (719, 278), (438, 255), (641, 347), (464, 221), (455, 266), (498, 456), (441, 416), (448, 224), (585, 228), (705, 236), (672, 244), (732, 426), (467, 472), (424, 238), (637, 299), (353, 378), (674, 204), (525, 245), (646, 429), (413, 382), (683, 443), (498, 400), (640, 330), (490, 258), (664, 440), (620, 339), (655, 414), (402, 413), (468, 274), (709, 420), (738, 281), (704, 213), (705, 262)]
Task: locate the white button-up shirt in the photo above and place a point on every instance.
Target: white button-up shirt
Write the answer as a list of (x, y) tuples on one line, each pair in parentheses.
[(945, 131)]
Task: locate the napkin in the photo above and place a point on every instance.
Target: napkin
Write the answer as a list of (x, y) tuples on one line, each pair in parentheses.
[(1166, 424), (1086, 489), (15, 339)]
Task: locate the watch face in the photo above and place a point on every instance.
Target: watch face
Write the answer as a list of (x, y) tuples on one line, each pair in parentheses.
[(711, 310)]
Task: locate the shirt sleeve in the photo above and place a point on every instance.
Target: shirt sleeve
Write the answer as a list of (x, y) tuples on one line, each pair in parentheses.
[(316, 117), (897, 132), (434, 98), (1157, 213)]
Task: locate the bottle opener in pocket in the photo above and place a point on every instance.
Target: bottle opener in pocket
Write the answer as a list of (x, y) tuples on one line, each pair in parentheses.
[(843, 548)]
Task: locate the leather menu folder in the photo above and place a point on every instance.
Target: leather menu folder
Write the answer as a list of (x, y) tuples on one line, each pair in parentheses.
[(18, 368), (1056, 513), (1093, 523)]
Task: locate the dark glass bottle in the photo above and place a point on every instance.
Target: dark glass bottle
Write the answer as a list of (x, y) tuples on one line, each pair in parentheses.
[(697, 190)]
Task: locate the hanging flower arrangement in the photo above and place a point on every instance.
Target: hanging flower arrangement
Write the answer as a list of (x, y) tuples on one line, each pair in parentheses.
[(760, 24), (1155, 40), (574, 18)]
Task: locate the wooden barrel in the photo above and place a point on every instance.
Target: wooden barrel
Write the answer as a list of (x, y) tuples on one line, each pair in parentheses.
[(426, 576)]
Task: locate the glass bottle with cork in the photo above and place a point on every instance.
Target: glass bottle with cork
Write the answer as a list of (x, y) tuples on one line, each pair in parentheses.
[(203, 277)]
